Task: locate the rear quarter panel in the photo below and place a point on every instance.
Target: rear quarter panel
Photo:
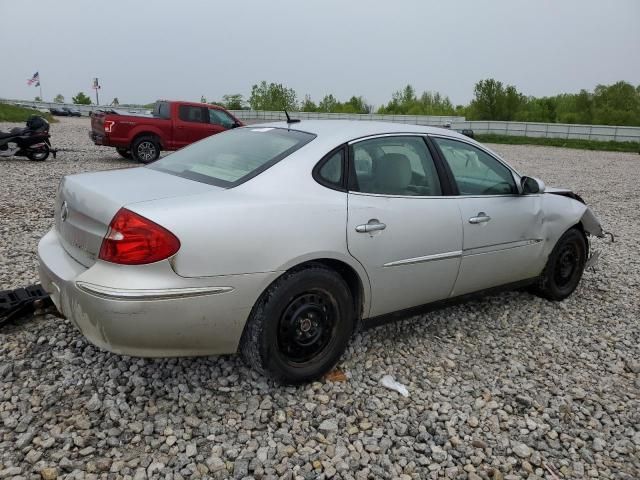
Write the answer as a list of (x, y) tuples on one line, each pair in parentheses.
[(275, 221)]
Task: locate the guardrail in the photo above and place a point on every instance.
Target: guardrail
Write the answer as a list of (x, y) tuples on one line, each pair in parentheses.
[(553, 130), (409, 119), (523, 129)]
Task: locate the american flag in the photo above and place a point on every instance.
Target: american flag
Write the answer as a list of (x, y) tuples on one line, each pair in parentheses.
[(35, 79)]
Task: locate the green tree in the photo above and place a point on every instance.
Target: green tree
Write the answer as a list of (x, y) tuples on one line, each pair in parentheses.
[(233, 101), (81, 99), (488, 100), (308, 105), (272, 96), (59, 98), (584, 107), (405, 102), (328, 104), (511, 103), (37, 99), (356, 105)]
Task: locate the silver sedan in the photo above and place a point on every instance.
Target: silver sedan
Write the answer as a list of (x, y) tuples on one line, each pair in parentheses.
[(280, 240)]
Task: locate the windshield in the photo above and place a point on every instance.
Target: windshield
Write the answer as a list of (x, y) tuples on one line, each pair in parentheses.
[(233, 157)]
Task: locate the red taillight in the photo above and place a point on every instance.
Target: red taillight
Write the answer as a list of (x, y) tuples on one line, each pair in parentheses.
[(108, 125), (135, 240)]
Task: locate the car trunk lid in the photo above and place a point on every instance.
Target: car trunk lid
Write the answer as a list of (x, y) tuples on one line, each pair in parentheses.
[(87, 203)]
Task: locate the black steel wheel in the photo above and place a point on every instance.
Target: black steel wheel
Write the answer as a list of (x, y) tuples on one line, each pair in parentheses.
[(300, 327), (565, 266), (307, 326)]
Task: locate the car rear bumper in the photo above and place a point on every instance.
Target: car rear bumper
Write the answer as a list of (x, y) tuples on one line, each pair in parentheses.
[(148, 310)]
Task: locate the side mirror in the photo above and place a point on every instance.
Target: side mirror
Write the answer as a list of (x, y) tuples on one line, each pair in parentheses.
[(531, 185)]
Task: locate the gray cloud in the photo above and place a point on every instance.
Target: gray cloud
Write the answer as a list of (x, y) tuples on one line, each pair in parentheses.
[(165, 49)]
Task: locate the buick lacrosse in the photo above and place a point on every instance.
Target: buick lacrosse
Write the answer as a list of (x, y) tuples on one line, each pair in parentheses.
[(278, 241)]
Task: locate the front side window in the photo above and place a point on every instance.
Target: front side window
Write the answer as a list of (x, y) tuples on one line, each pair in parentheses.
[(394, 166), (187, 113), (233, 157), (218, 117), (476, 172)]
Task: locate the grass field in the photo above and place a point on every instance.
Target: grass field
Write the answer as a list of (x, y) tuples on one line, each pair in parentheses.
[(11, 113), (561, 142)]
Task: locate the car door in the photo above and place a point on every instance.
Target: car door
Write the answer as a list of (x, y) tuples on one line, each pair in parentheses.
[(502, 228), (191, 125), (401, 227)]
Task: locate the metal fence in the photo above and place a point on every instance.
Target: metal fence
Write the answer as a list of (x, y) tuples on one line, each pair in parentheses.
[(84, 109), (409, 119), (523, 129), (553, 130)]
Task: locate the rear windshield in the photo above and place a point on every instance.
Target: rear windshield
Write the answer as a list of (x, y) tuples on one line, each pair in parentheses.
[(233, 157)]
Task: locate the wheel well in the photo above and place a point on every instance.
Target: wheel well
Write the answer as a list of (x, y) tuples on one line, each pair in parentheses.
[(578, 226), (349, 275)]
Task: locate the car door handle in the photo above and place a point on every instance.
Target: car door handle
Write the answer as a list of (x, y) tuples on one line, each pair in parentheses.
[(481, 218), (373, 225)]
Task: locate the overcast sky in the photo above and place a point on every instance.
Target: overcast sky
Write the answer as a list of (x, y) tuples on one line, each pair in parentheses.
[(145, 50)]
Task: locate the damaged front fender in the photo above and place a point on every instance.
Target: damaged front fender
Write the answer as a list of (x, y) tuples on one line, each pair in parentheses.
[(591, 224)]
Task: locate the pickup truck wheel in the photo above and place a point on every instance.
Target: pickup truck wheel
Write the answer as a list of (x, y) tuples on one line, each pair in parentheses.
[(300, 327), (124, 153), (145, 149)]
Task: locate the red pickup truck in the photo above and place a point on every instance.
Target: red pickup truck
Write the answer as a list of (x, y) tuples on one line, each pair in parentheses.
[(172, 125)]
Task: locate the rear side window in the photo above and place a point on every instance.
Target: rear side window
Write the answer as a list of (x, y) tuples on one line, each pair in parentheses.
[(395, 166), (187, 113), (331, 170), (233, 157), (218, 117), (161, 110)]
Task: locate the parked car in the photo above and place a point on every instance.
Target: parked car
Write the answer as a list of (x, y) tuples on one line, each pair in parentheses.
[(280, 240), (172, 125), (72, 111), (58, 111)]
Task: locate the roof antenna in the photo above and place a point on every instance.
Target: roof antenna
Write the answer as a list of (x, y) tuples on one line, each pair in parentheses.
[(291, 120)]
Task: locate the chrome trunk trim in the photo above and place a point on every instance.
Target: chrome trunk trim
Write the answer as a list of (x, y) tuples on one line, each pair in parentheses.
[(149, 294)]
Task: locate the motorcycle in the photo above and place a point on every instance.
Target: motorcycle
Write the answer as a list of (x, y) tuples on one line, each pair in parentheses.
[(31, 141)]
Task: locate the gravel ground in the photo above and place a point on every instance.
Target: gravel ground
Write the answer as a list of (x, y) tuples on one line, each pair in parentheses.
[(508, 387)]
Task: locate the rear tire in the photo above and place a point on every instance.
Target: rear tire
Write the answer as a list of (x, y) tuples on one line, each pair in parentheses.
[(124, 153), (564, 268), (39, 156), (145, 149), (300, 326)]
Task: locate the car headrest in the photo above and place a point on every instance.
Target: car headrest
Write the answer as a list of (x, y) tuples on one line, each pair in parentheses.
[(393, 173)]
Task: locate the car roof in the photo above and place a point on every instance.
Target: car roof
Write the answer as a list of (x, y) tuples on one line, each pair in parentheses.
[(341, 131)]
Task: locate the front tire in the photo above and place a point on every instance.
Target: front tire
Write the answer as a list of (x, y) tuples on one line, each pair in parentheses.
[(564, 268), (145, 149), (300, 327)]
